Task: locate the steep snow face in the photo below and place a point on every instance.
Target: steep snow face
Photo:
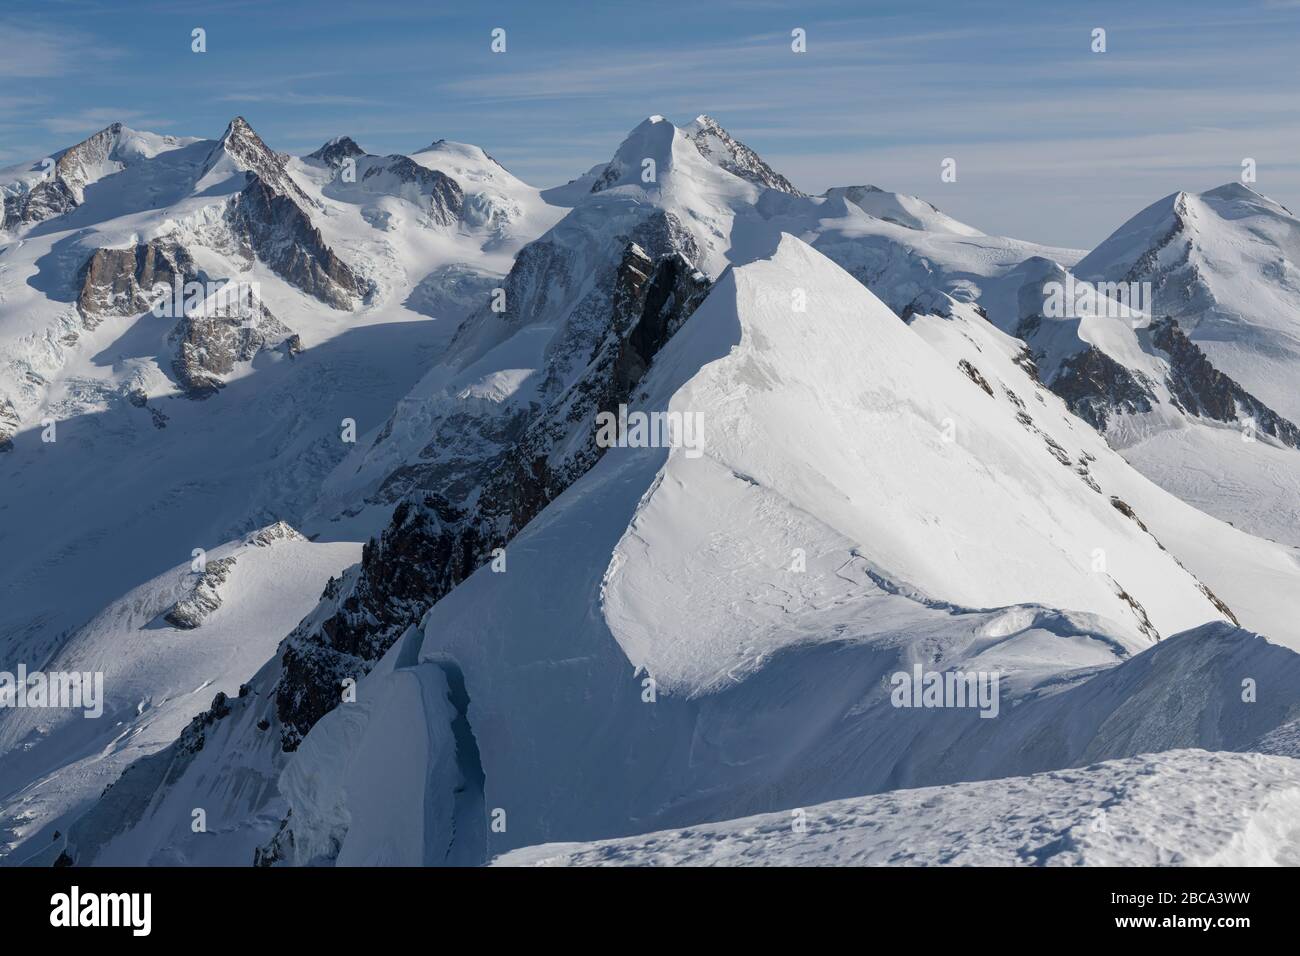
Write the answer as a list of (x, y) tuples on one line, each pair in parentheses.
[(1157, 397), (1226, 264), (1251, 576), (821, 410), (495, 199), (164, 650), (1182, 808)]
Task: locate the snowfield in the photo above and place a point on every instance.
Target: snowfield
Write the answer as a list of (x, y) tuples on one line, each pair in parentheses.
[(1180, 808), (157, 675)]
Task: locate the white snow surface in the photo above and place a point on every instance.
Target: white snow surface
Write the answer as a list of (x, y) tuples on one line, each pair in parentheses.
[(1226, 264), (771, 685), (156, 676), (1180, 808)]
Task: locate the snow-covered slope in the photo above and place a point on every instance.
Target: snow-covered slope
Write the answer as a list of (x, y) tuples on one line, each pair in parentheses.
[(112, 470), (1255, 578), (770, 682), (1182, 808), (1226, 264), (164, 650)]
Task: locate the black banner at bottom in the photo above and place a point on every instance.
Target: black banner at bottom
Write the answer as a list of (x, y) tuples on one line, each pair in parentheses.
[(338, 905)]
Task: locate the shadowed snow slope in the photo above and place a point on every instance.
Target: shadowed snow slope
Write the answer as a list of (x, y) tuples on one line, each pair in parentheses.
[(156, 675), (1182, 808)]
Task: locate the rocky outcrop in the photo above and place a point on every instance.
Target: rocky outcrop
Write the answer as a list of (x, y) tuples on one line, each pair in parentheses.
[(189, 612), (64, 188), (247, 152), (720, 147), (269, 218), (434, 542), (336, 151), (444, 199), (278, 231), (205, 597), (280, 531), (1201, 389), (1095, 387), (210, 343), (9, 424), (120, 281)]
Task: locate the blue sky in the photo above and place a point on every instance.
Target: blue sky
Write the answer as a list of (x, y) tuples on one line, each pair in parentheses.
[(1053, 142)]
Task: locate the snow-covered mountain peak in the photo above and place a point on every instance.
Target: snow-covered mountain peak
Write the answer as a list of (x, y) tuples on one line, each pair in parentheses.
[(1239, 192), (334, 151), (35, 192), (656, 152), (900, 209), (1225, 264), (240, 149), (648, 152), (724, 150)]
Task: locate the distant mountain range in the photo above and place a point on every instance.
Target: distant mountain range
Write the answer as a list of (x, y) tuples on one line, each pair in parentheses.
[(301, 454)]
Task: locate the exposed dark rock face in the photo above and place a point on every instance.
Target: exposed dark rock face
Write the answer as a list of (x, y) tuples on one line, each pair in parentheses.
[(9, 424), (247, 151), (337, 150), (270, 218), (972, 373), (735, 157), (446, 198), (1201, 389), (64, 189), (46, 200), (1095, 386), (278, 231), (120, 281), (189, 612), (432, 544), (280, 531), (208, 346)]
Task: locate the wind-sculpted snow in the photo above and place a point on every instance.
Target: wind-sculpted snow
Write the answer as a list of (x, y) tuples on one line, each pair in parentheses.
[(813, 410), (1183, 808)]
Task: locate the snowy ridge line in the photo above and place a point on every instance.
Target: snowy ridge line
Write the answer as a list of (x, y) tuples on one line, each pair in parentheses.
[(1157, 810)]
